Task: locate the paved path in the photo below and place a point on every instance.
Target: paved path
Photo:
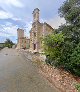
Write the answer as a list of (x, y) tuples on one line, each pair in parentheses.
[(18, 74)]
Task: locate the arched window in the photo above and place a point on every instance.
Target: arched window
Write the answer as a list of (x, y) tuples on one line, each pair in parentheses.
[(34, 46)]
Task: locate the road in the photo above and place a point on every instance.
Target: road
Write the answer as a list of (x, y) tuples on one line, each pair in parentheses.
[(18, 74)]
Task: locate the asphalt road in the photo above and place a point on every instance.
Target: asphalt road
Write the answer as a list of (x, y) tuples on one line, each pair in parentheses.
[(19, 74)]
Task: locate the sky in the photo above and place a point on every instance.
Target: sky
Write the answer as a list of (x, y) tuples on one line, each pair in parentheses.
[(16, 14)]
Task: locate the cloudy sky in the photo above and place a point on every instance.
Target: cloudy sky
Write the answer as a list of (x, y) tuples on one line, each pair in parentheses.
[(18, 14)]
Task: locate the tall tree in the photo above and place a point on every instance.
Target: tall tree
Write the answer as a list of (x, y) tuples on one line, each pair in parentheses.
[(8, 43), (70, 10), (69, 49)]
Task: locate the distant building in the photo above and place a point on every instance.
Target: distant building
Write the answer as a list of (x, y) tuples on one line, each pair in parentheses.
[(23, 42), (38, 31)]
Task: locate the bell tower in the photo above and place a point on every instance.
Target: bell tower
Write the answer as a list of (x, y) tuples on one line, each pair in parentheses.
[(36, 15)]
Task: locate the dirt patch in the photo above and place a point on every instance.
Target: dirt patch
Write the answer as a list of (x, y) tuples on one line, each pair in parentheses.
[(58, 77)]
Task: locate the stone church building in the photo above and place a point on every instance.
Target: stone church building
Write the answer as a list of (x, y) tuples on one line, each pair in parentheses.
[(23, 42), (38, 31)]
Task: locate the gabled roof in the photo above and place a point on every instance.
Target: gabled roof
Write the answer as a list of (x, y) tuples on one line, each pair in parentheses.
[(48, 25)]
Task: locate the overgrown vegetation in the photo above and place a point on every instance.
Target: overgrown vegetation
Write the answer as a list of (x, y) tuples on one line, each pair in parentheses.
[(63, 47), (8, 43), (78, 87)]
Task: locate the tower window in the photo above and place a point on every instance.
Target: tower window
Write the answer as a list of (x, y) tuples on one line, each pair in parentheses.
[(34, 34), (34, 46)]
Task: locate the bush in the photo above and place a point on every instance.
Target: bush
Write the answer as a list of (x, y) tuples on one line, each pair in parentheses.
[(78, 87), (53, 48), (62, 54), (75, 60)]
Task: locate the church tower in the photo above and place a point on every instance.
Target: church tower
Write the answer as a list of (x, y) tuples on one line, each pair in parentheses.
[(20, 33), (38, 31), (36, 15)]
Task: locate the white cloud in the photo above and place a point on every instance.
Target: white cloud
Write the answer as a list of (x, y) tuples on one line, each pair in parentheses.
[(15, 3), (5, 15), (56, 22), (8, 30), (14, 18)]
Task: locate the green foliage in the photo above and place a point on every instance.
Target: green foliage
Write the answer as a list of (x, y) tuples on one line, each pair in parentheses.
[(63, 48), (75, 60), (8, 43), (70, 10), (78, 87), (52, 47)]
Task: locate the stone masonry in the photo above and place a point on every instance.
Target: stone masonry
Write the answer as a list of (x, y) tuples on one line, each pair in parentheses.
[(23, 42), (38, 31)]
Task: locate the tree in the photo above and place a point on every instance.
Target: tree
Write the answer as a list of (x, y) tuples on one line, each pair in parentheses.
[(8, 43), (70, 10), (67, 54), (75, 60)]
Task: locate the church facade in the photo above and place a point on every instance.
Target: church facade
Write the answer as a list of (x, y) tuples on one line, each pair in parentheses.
[(37, 32)]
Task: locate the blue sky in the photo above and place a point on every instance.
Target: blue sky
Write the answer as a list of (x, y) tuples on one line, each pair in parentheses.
[(18, 14)]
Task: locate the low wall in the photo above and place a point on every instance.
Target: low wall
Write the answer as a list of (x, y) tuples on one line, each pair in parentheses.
[(59, 78)]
